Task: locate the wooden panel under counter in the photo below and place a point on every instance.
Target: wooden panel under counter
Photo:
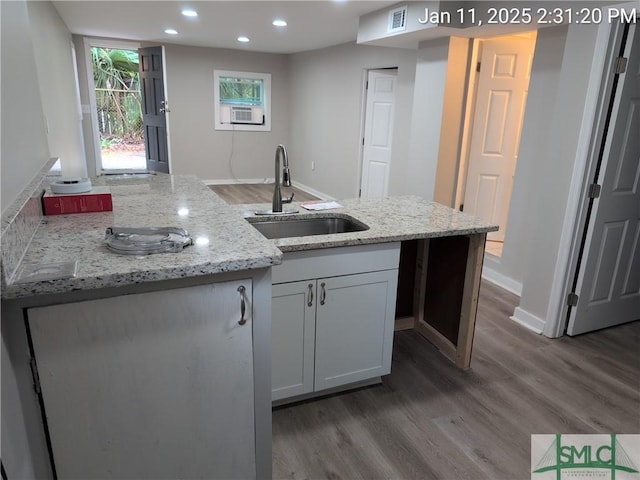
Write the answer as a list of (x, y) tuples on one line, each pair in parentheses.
[(438, 287)]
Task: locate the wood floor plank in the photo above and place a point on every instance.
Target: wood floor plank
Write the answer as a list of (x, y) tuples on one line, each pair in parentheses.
[(257, 193), (430, 420)]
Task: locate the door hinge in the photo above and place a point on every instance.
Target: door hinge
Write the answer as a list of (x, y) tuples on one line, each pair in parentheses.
[(366, 86), (462, 207), (478, 66), (362, 140), (34, 375), (594, 190), (620, 65), (572, 299)]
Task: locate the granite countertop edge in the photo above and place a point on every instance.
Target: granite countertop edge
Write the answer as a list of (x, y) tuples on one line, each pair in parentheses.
[(390, 219)]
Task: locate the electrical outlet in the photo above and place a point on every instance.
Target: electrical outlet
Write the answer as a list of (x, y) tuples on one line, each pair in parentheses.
[(313, 166)]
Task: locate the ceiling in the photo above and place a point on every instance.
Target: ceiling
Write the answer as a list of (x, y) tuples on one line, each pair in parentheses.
[(311, 24)]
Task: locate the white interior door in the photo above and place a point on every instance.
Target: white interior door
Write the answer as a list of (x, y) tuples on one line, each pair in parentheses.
[(378, 133), (609, 280), (503, 84)]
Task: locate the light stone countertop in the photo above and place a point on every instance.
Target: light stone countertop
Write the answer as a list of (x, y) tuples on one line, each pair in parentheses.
[(224, 241), (390, 219)]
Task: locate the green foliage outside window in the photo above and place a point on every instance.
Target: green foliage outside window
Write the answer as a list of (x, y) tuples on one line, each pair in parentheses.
[(118, 98), (241, 91)]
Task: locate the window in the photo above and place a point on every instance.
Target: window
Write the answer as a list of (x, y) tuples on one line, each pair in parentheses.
[(242, 100)]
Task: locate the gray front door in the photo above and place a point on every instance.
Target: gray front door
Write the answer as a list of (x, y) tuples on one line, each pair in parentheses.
[(154, 108)]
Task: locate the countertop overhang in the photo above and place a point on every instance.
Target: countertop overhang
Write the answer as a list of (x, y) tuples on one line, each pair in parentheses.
[(224, 240)]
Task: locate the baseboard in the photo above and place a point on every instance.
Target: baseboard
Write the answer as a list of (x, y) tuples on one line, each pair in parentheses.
[(312, 191), (328, 391), (502, 281), (267, 181), (233, 181), (528, 320)]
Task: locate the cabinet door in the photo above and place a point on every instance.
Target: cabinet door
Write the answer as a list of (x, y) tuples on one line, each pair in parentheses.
[(354, 327), (292, 338), (148, 386)]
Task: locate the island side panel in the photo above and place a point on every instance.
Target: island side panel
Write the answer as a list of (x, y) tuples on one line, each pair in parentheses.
[(448, 278), (262, 371), (405, 297), (446, 268), (469, 308)]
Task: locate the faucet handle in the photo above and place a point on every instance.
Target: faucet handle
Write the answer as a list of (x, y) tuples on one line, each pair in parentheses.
[(288, 199)]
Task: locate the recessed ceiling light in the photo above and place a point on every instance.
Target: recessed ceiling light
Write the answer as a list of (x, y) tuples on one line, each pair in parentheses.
[(188, 12), (243, 39), (171, 31), (279, 23)]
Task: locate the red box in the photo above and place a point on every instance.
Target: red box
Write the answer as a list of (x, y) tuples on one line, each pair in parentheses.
[(97, 200)]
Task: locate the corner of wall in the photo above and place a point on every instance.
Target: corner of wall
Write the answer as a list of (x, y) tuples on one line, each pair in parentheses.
[(503, 281), (528, 320)]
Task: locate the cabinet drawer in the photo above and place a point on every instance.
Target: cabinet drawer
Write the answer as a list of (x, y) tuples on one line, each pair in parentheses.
[(333, 262)]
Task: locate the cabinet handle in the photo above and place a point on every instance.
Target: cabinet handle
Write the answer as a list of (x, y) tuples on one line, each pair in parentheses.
[(310, 301), (243, 307), (323, 294)]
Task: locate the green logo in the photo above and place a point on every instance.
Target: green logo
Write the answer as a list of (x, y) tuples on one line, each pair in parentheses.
[(584, 456)]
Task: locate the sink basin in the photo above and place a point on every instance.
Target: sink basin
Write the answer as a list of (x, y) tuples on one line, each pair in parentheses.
[(303, 227)]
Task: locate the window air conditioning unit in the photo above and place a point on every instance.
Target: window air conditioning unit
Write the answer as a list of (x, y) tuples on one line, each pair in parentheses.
[(241, 114)]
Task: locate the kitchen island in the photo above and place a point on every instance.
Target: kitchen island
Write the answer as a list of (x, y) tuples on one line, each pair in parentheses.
[(52, 326)]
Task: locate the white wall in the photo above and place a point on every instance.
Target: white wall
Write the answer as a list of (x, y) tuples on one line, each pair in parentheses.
[(509, 270), (54, 64), (24, 148), (426, 120), (326, 99), (196, 147), (452, 123), (548, 155)]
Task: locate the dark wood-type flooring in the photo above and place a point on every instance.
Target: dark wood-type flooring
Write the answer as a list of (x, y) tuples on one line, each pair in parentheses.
[(257, 193), (429, 420)]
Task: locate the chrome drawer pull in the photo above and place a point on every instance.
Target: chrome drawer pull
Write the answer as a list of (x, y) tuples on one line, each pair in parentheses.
[(243, 307), (310, 302)]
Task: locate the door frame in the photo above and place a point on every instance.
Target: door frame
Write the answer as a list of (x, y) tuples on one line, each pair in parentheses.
[(363, 120), (475, 55), (467, 128), (590, 137), (89, 42)]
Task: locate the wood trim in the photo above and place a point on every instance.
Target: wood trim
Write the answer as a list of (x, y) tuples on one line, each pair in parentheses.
[(460, 351), (441, 342), (404, 323), (420, 284), (469, 308)]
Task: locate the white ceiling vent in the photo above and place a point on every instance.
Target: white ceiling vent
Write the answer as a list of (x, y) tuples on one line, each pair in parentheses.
[(397, 20)]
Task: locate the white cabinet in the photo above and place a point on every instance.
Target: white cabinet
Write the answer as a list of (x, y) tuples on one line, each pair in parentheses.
[(354, 328), (293, 323), (336, 329), (150, 385)]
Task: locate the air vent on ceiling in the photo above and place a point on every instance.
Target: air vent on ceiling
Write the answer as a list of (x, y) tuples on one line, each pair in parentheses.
[(397, 20)]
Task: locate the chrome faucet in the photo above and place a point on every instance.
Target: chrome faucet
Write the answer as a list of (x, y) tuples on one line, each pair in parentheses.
[(276, 206)]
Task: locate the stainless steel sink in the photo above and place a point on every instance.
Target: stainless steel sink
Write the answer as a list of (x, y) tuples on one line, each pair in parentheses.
[(303, 227)]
